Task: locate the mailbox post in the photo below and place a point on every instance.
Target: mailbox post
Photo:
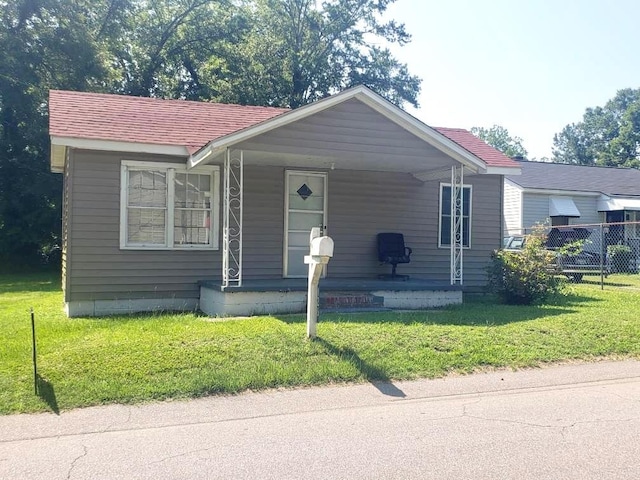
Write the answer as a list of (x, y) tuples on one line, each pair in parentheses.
[(320, 251)]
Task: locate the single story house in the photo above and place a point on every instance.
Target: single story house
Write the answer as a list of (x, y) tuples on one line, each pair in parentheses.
[(173, 205), (560, 194)]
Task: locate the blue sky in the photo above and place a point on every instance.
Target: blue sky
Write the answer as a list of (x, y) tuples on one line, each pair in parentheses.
[(531, 66)]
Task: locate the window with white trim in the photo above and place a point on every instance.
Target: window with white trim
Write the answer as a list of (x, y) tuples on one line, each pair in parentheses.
[(165, 206), (444, 236)]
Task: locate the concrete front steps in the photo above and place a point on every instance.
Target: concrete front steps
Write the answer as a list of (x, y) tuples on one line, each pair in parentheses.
[(351, 302)]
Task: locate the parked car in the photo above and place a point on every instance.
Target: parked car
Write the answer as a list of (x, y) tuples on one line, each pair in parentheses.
[(514, 242), (575, 262), (579, 251)]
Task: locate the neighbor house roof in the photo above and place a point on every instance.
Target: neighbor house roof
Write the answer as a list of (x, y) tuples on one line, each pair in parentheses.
[(123, 118), (559, 176), (77, 119)]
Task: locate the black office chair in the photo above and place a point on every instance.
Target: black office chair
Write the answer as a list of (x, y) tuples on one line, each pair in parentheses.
[(391, 249)]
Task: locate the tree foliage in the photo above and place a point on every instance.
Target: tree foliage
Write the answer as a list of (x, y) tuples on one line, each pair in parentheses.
[(261, 52), (45, 44), (177, 49), (607, 136), (499, 138), (299, 52)]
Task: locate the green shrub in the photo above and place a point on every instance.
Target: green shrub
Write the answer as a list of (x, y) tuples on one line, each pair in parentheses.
[(524, 277), (620, 258)]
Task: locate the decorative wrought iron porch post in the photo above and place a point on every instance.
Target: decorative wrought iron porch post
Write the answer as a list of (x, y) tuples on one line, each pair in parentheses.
[(457, 211), (232, 219)]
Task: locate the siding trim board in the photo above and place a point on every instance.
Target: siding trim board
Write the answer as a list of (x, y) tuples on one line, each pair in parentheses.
[(67, 224), (574, 193)]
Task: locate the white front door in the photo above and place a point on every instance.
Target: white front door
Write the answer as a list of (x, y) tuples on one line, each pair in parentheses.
[(305, 208)]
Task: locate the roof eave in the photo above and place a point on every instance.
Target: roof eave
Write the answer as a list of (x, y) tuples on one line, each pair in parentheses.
[(551, 191), (504, 171), (118, 146)]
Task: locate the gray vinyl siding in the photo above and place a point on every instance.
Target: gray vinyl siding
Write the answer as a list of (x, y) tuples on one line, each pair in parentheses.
[(536, 209), (97, 268), (588, 207), (486, 232), (263, 222), (512, 208), (360, 205), (347, 133)]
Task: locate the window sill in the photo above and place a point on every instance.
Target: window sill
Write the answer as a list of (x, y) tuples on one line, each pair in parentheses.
[(171, 249)]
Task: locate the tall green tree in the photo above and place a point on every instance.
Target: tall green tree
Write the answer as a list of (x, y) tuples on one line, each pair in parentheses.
[(177, 48), (45, 44), (261, 52), (608, 135), (299, 51), (499, 138)]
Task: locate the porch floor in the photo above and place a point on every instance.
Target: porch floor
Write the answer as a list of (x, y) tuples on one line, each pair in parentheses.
[(336, 285), (289, 295)]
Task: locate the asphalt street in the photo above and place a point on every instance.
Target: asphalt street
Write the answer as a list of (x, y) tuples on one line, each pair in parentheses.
[(572, 421)]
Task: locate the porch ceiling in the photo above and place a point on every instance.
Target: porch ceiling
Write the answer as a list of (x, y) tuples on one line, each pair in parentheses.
[(370, 161)]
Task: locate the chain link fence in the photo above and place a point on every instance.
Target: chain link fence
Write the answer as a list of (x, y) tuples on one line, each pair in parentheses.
[(601, 249)]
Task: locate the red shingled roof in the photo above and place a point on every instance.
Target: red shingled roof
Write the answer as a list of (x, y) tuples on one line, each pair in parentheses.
[(122, 118), (471, 143)]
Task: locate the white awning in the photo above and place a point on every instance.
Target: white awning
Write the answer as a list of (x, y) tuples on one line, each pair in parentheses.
[(611, 204), (562, 207)]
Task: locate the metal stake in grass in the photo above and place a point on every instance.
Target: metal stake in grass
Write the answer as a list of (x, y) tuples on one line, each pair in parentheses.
[(35, 361)]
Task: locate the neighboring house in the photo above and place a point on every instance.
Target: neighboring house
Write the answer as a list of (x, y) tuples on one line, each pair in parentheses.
[(559, 194), (173, 204)]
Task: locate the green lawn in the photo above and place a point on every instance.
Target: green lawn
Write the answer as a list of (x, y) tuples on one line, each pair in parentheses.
[(128, 359)]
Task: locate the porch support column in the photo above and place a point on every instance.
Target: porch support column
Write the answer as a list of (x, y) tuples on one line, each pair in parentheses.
[(232, 219), (457, 192)]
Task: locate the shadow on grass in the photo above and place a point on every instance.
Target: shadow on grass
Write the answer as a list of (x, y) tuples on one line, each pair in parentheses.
[(32, 282), (479, 311), (607, 283), (374, 375), (47, 393)]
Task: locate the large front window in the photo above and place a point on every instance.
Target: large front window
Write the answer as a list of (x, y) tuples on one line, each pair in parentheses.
[(164, 206), (445, 216)]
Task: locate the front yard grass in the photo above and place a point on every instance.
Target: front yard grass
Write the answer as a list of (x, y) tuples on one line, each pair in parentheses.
[(126, 359)]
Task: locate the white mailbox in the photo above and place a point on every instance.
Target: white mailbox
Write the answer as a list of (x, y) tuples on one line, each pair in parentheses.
[(321, 247), (320, 251)]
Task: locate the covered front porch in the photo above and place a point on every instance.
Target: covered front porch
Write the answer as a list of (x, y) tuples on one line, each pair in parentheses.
[(262, 253), (354, 165)]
